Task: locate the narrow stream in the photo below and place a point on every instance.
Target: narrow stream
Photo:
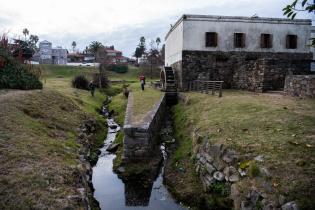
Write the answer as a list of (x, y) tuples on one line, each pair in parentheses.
[(113, 194)]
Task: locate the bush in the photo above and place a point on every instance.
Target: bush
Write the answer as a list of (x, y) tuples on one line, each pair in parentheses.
[(80, 82), (253, 169), (118, 68), (17, 76)]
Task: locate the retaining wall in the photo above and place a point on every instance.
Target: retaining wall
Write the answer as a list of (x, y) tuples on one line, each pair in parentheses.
[(300, 86), (141, 140)]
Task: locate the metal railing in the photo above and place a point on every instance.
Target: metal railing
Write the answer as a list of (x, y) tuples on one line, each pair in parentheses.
[(207, 87)]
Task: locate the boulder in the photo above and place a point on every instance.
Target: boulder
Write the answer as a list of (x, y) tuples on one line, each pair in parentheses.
[(290, 206), (112, 147), (231, 174), (218, 176), (230, 156), (210, 169)]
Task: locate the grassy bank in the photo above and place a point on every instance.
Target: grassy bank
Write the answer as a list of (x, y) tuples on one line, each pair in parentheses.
[(39, 154), (280, 129)]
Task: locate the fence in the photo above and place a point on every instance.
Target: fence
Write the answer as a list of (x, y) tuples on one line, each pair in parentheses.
[(206, 86)]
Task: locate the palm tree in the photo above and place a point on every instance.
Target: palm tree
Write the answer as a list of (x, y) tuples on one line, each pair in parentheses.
[(94, 47), (34, 39), (73, 44), (25, 32), (158, 42)]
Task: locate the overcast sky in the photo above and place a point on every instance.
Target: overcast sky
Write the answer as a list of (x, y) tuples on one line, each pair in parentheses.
[(118, 22)]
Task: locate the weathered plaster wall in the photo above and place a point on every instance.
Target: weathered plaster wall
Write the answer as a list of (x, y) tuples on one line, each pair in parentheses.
[(195, 28), (141, 140), (174, 45), (300, 86)]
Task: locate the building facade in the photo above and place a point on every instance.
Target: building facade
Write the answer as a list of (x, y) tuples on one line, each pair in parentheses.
[(246, 53), (49, 55)]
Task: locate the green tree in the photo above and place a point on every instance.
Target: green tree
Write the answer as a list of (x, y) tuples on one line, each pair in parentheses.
[(94, 47), (25, 32), (34, 39), (73, 44), (291, 10)]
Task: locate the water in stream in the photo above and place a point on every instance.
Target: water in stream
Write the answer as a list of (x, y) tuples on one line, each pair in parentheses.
[(113, 194)]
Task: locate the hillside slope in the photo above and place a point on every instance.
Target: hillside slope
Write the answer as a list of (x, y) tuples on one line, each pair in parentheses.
[(39, 155)]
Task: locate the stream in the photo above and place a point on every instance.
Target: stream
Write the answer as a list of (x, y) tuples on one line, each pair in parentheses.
[(112, 193)]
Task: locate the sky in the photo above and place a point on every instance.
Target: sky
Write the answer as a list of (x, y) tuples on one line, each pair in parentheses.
[(118, 22)]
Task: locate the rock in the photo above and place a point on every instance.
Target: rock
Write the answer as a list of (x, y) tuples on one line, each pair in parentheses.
[(290, 206), (254, 196), (231, 174), (242, 172), (121, 169), (230, 156), (265, 172), (246, 205), (197, 168), (234, 178), (198, 156), (208, 158), (112, 147), (259, 158), (202, 160), (210, 169), (216, 150), (219, 164), (218, 176)]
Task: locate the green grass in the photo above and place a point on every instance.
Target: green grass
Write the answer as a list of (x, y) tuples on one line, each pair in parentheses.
[(39, 150), (279, 128), (143, 101)]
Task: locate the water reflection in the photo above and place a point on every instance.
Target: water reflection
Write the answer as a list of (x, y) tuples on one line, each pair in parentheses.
[(137, 193)]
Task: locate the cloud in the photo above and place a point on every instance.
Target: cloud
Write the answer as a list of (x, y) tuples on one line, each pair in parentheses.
[(118, 22)]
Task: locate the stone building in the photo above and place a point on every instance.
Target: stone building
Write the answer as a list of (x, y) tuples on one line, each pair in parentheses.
[(49, 55), (245, 52)]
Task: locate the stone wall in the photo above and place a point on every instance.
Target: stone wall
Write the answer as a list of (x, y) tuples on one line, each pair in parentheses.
[(300, 86), (241, 70), (142, 139)]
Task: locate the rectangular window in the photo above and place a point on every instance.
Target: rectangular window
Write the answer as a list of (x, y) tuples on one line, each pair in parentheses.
[(211, 39), (291, 42), (266, 41), (239, 40)]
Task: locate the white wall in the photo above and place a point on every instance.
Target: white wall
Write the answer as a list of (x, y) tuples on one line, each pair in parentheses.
[(174, 45), (194, 35)]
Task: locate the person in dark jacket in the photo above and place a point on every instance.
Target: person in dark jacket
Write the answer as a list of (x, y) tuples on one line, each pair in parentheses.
[(92, 88), (142, 82)]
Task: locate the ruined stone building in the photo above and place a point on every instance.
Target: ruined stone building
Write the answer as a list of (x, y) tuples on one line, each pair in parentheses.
[(250, 53), (49, 55)]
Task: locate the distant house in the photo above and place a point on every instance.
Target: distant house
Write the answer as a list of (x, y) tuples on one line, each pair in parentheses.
[(111, 56), (49, 55)]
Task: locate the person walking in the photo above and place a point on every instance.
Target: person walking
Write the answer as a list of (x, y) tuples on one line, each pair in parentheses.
[(92, 88), (142, 82)]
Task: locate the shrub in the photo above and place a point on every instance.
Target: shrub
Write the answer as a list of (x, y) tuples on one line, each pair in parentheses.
[(80, 82), (253, 169), (14, 75), (118, 68), (101, 80)]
